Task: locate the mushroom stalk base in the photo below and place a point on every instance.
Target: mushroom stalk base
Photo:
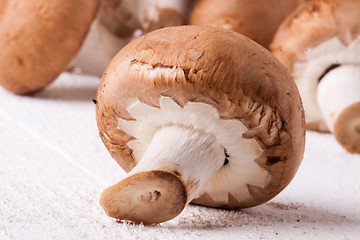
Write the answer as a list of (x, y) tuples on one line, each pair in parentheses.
[(177, 165), (338, 96)]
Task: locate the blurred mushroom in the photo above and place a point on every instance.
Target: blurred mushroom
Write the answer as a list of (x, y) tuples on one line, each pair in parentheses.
[(192, 120), (257, 20), (155, 14), (320, 44), (39, 38), (119, 22)]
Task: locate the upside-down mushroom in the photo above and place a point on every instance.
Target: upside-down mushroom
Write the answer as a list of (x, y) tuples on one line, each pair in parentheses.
[(38, 38), (119, 22), (320, 44), (197, 114), (257, 20)]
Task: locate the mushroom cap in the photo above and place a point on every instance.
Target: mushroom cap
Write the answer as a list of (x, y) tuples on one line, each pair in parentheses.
[(257, 20), (39, 38), (309, 26), (226, 70)]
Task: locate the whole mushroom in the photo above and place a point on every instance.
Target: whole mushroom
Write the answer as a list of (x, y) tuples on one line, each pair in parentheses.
[(39, 38), (320, 45), (197, 114), (257, 20)]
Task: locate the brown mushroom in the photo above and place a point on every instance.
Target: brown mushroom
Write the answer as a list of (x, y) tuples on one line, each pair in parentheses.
[(197, 114), (320, 45), (39, 38), (119, 22), (257, 20)]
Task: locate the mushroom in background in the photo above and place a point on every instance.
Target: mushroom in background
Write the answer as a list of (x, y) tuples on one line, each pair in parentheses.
[(320, 45), (197, 114), (119, 22), (39, 38), (257, 20)]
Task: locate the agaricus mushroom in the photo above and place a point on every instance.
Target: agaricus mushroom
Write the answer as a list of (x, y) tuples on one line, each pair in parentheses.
[(119, 22), (257, 20), (39, 38), (197, 114), (320, 44), (114, 27), (155, 14)]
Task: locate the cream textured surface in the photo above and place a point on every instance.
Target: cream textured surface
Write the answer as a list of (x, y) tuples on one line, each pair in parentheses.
[(53, 167)]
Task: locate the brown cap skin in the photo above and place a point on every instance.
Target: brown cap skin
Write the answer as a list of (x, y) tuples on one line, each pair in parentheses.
[(136, 199), (39, 38), (218, 67), (313, 23), (257, 20), (347, 128)]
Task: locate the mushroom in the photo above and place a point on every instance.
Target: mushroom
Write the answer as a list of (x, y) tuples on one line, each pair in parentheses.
[(155, 14), (119, 22), (197, 114), (39, 38), (320, 45), (48, 37), (257, 20)]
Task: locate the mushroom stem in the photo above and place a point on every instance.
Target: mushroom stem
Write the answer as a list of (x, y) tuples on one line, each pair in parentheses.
[(193, 155), (338, 96), (176, 166)]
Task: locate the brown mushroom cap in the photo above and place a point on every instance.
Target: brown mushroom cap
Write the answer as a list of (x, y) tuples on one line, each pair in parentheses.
[(306, 28), (257, 20), (312, 23), (39, 38), (226, 70)]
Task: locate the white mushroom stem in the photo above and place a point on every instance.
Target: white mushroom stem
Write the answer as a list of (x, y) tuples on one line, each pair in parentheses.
[(338, 89), (176, 166), (192, 155)]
